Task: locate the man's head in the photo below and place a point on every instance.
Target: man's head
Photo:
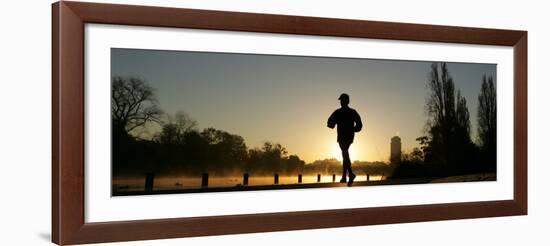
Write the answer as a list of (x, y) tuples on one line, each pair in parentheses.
[(344, 99)]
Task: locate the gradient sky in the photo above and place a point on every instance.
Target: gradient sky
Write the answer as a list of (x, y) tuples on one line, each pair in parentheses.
[(287, 99)]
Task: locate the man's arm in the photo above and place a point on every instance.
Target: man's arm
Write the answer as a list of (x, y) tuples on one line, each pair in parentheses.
[(331, 122), (358, 123)]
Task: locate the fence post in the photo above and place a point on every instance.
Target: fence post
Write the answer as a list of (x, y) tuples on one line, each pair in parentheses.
[(204, 182), (276, 178), (299, 178), (245, 179), (149, 181), (368, 177), (318, 178), (333, 178)]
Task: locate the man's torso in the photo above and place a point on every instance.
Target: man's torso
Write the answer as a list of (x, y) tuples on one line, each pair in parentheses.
[(345, 121)]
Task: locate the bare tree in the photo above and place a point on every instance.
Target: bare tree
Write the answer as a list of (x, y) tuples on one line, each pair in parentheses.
[(184, 122), (462, 116), (133, 104), (440, 103), (448, 116), (487, 114), (174, 128)]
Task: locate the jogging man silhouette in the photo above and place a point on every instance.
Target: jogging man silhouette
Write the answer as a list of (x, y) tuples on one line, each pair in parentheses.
[(348, 122)]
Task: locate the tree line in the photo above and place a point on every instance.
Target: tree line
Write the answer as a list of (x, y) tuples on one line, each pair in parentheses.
[(180, 148)]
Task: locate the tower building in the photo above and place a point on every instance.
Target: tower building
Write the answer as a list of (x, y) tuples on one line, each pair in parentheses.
[(395, 149)]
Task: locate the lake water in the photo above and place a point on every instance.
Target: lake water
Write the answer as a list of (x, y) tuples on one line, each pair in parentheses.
[(189, 182)]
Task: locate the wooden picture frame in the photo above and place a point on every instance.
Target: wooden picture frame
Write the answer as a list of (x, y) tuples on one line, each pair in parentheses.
[(68, 223)]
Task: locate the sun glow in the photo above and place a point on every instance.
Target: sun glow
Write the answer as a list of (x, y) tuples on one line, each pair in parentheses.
[(337, 153)]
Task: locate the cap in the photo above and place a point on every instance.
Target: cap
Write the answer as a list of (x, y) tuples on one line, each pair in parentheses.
[(343, 96)]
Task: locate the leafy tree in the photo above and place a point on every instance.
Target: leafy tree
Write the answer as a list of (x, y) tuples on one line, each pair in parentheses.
[(294, 164), (273, 153), (416, 155), (425, 147), (226, 150), (271, 157)]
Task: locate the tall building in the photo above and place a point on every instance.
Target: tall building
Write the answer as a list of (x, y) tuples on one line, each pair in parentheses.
[(395, 149)]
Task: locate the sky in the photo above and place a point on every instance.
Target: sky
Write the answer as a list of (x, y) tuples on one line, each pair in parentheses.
[(288, 99)]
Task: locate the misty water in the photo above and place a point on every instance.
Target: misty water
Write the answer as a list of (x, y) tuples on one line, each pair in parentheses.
[(193, 182)]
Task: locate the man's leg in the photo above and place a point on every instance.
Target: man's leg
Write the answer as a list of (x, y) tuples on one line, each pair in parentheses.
[(346, 162), (351, 175)]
